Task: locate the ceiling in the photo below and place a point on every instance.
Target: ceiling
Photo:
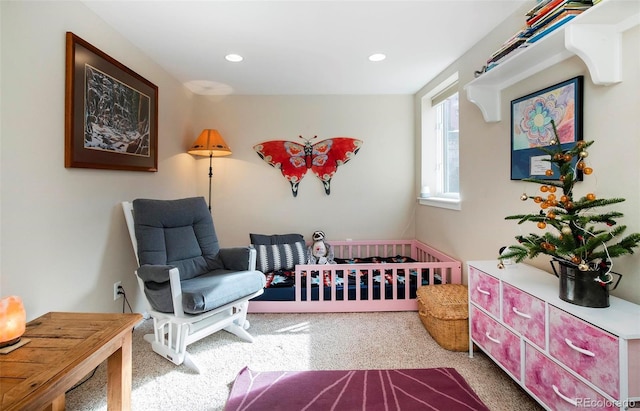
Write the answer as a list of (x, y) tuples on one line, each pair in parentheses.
[(304, 47)]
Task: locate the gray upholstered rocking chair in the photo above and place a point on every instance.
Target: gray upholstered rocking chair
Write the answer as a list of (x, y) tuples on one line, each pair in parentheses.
[(193, 287)]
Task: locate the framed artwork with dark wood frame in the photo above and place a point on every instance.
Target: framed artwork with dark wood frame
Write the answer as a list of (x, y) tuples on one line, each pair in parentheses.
[(531, 128), (111, 112)]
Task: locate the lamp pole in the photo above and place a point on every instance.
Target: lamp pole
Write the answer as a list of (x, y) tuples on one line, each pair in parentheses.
[(210, 177), (210, 143)]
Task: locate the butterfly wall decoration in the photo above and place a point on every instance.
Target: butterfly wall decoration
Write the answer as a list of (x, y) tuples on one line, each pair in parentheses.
[(294, 159)]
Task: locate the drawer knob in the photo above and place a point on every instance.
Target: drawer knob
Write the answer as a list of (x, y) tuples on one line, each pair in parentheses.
[(491, 338), (520, 313), (481, 291), (580, 350), (564, 397)]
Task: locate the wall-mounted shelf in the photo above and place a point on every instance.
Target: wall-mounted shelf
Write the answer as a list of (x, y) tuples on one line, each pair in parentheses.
[(595, 36)]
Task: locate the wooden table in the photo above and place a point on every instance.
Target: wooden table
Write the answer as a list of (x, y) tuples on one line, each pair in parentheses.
[(64, 348)]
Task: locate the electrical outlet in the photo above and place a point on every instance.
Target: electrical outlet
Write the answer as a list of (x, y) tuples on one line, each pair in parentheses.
[(115, 290)]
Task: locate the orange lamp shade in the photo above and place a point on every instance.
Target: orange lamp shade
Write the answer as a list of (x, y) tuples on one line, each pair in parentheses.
[(12, 320)]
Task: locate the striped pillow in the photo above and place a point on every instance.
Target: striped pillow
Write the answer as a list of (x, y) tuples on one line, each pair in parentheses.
[(279, 252)]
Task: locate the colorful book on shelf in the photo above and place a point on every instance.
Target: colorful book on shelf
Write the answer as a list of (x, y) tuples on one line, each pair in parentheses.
[(550, 18), (507, 45), (553, 19), (548, 8), (506, 50), (552, 27), (492, 63), (537, 7), (578, 5), (554, 8)]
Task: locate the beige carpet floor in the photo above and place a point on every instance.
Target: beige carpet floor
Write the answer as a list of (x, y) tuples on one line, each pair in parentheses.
[(296, 342)]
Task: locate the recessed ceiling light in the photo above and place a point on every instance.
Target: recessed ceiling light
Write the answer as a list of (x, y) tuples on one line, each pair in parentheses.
[(377, 57), (234, 58)]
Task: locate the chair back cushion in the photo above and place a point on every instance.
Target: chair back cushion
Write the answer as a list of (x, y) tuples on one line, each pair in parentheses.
[(178, 233)]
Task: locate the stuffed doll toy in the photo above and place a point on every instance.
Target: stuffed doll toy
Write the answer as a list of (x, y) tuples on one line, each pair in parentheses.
[(320, 252)]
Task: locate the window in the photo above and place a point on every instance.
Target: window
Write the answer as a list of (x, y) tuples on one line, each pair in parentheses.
[(440, 146)]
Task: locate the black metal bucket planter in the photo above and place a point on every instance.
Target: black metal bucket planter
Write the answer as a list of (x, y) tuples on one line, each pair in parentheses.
[(583, 288)]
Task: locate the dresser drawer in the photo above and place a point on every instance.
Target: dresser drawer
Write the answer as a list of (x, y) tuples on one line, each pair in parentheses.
[(524, 313), (484, 290), (588, 350), (557, 388), (496, 340)]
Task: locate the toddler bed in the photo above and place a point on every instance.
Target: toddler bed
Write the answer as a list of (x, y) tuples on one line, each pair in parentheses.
[(378, 275)]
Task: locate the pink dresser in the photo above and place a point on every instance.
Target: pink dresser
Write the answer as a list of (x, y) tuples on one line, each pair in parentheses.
[(565, 356)]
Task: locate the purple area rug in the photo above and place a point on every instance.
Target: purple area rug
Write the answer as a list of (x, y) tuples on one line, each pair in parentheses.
[(366, 390)]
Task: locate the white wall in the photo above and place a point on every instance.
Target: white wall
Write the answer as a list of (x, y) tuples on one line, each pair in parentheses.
[(610, 119), (63, 240), (371, 196)]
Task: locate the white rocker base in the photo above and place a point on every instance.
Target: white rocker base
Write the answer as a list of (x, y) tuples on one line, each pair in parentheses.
[(173, 334)]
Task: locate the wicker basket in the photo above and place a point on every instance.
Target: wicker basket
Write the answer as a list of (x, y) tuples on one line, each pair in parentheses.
[(444, 311)]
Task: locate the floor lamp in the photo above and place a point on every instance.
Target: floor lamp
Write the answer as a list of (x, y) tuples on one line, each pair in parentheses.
[(210, 143)]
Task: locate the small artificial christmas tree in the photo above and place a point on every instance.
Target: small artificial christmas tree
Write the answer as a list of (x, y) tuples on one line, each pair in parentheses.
[(582, 238)]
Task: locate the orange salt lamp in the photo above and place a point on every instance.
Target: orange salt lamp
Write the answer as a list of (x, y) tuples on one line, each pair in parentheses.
[(12, 320)]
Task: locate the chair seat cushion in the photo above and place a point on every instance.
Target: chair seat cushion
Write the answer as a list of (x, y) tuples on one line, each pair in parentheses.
[(208, 291)]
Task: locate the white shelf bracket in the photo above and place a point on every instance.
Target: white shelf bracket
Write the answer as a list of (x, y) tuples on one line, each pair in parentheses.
[(487, 98), (600, 47)]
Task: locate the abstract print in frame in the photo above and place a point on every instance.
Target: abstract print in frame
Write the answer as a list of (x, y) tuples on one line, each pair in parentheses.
[(531, 128), (111, 112)]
